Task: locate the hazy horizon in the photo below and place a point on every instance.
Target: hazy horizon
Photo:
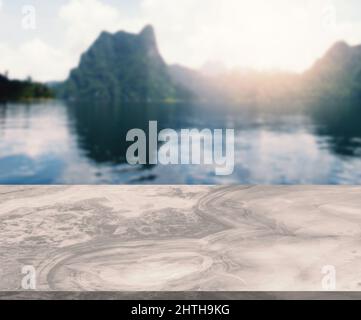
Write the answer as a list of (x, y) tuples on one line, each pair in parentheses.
[(284, 35)]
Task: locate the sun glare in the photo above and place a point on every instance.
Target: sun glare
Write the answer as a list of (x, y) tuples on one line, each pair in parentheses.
[(266, 36), (258, 34)]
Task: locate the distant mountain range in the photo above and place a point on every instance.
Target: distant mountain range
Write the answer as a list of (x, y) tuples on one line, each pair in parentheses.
[(125, 67), (336, 76)]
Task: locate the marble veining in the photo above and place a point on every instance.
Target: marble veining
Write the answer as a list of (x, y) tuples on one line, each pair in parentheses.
[(180, 238)]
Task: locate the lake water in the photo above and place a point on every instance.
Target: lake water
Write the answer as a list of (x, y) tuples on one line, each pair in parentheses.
[(55, 143)]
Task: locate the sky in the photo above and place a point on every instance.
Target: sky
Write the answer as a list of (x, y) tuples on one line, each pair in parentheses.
[(44, 39)]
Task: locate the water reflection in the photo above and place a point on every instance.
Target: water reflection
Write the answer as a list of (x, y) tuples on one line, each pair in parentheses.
[(101, 129), (51, 142), (340, 121)]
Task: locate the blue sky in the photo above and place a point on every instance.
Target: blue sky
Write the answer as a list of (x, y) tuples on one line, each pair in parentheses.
[(262, 34)]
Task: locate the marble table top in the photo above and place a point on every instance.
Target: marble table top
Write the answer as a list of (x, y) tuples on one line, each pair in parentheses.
[(180, 238)]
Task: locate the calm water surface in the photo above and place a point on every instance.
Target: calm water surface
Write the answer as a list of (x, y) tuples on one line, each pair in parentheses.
[(55, 143)]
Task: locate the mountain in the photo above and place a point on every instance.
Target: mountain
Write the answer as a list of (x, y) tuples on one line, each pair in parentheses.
[(19, 90), (336, 74), (332, 91), (123, 67)]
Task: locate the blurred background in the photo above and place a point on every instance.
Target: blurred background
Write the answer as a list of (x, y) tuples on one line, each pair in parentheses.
[(76, 76)]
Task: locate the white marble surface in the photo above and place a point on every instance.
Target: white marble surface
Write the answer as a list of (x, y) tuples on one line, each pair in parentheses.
[(180, 238)]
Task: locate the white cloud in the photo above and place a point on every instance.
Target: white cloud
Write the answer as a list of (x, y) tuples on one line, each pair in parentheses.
[(84, 20), (258, 33), (236, 31), (34, 58)]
